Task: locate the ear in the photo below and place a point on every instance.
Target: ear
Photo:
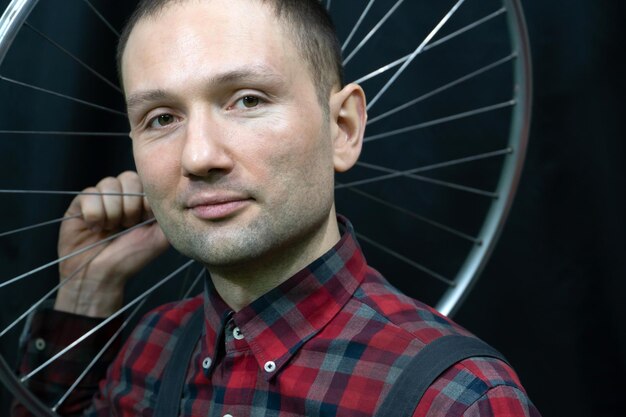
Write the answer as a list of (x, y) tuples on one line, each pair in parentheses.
[(348, 118)]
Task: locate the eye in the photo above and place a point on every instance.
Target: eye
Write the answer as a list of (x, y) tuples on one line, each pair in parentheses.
[(250, 101), (162, 120)]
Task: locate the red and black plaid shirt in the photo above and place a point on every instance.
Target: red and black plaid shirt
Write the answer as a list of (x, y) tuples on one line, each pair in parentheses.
[(330, 341)]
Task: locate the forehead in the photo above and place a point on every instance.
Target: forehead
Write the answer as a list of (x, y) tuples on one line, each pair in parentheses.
[(209, 36)]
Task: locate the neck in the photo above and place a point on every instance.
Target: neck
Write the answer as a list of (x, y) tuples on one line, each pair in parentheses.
[(242, 284)]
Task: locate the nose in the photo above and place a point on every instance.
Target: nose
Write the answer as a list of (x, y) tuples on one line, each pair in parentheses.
[(205, 150)]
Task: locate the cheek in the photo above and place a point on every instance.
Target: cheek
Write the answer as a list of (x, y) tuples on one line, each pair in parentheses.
[(158, 170), (300, 157)]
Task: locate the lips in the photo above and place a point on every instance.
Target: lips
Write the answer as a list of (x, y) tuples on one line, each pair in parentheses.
[(217, 207)]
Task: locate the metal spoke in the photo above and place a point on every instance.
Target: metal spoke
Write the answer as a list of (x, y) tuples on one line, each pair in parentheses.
[(194, 283), (406, 260), (372, 32), (431, 45), (49, 293), (99, 355), (125, 324), (442, 88), (426, 168), (465, 29), (382, 69), (75, 253), (328, 5), (38, 225), (102, 18), (74, 57), (455, 186), (357, 25), (106, 321), (433, 181), (441, 120), (415, 53), (416, 216), (49, 192), (59, 133), (54, 93)]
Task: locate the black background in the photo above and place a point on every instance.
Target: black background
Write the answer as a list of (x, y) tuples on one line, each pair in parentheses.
[(564, 245), (552, 296)]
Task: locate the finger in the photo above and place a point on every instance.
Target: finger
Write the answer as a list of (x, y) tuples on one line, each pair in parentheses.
[(111, 190), (132, 205), (91, 207)]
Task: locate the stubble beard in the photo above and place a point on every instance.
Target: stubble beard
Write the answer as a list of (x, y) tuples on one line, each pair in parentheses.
[(223, 245), (227, 244)]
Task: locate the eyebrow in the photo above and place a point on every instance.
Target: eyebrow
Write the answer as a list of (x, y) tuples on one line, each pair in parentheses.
[(257, 73), (137, 99)]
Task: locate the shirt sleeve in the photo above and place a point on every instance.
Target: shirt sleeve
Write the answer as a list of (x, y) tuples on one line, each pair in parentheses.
[(502, 401), (50, 331)]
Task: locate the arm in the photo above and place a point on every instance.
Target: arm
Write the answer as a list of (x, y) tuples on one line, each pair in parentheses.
[(94, 288), (457, 401), (477, 387), (49, 332), (502, 401)]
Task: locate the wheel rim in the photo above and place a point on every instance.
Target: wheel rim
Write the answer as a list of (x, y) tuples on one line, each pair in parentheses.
[(518, 140), (18, 10)]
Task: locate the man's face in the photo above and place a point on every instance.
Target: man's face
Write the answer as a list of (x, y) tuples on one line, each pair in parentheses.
[(229, 139)]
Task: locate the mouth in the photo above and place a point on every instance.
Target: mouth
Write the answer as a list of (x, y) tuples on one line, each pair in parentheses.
[(217, 207)]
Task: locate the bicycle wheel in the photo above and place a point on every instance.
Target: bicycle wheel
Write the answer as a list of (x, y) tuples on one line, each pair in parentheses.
[(449, 92)]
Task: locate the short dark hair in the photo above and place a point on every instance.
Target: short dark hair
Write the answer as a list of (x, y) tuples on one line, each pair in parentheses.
[(314, 33)]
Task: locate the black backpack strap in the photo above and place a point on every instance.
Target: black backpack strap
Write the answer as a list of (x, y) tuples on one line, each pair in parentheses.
[(425, 367), (171, 390)]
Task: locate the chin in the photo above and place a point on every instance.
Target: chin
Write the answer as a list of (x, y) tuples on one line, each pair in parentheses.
[(220, 249)]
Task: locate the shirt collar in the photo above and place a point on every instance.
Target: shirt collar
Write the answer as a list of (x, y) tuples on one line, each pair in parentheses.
[(278, 323)]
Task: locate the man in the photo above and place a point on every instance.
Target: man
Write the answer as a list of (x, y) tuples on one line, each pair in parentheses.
[(239, 119)]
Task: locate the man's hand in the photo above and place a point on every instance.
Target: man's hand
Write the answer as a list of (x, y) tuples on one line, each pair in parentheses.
[(97, 288)]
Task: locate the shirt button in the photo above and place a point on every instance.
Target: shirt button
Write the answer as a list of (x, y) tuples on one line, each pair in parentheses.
[(269, 366), (237, 333), (228, 415), (206, 363), (40, 344)]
